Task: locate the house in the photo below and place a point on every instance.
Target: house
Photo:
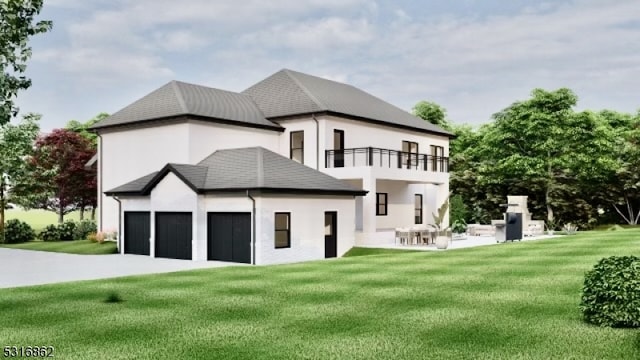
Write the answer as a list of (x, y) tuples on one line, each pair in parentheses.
[(294, 168)]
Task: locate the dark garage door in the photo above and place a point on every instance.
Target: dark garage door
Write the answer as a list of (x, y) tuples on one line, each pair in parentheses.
[(229, 237), (173, 235), (137, 230)]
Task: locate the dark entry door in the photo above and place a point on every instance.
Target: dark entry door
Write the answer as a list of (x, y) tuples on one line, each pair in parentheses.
[(229, 237), (330, 234), (173, 235), (137, 230), (338, 147)]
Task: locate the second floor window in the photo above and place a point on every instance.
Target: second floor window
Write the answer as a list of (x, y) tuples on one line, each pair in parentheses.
[(437, 158), (409, 154), (296, 150)]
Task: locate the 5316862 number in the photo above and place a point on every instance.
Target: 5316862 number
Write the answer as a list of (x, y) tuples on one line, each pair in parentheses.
[(28, 351)]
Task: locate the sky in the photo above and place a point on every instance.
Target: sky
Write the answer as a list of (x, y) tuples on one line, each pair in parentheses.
[(473, 57)]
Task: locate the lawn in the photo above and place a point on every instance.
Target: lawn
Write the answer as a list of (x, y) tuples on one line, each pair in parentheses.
[(508, 301), (84, 247), (39, 219)]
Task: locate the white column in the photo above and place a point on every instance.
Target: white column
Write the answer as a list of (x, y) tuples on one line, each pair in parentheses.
[(369, 204), (152, 236)]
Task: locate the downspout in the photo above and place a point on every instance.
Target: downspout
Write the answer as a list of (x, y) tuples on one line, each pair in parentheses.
[(313, 116), (101, 207), (253, 228), (119, 222)]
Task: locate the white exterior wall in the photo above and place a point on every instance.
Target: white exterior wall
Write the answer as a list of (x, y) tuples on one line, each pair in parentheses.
[(205, 138), (307, 227), (128, 154)]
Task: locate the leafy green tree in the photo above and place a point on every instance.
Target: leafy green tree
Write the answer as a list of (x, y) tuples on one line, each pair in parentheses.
[(83, 128), (16, 143), (16, 27), (58, 179), (432, 113), (623, 188)]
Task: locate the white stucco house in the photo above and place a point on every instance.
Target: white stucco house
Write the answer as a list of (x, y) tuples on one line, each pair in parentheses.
[(294, 168)]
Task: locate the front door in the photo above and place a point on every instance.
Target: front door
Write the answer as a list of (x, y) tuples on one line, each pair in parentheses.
[(338, 147), (330, 234)]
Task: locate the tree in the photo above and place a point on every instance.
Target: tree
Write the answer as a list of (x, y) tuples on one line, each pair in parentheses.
[(16, 143), (623, 188), (432, 113), (83, 128), (16, 27), (58, 179)]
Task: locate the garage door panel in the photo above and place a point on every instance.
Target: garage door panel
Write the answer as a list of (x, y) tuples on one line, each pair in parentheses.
[(137, 230), (229, 237), (242, 239), (174, 235)]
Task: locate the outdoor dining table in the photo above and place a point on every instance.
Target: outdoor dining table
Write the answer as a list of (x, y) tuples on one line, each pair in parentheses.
[(415, 236)]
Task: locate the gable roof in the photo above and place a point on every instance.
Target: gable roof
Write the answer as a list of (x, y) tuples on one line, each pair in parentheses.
[(289, 92), (253, 168), (178, 98)]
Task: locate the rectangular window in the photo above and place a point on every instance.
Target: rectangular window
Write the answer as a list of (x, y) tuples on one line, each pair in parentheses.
[(296, 147), (381, 204), (283, 230), (409, 154), (418, 208), (437, 158)]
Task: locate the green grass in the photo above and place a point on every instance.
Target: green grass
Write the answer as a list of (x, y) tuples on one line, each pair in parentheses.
[(508, 301), (361, 251), (84, 247), (39, 219)]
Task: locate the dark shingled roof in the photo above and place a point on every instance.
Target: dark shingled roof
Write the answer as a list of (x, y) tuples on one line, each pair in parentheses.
[(252, 168), (288, 92), (178, 98)]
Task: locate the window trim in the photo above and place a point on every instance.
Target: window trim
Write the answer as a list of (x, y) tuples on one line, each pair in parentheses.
[(415, 218), (292, 149), (386, 204), (276, 230)]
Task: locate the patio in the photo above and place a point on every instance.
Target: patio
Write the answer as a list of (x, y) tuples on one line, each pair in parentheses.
[(467, 242)]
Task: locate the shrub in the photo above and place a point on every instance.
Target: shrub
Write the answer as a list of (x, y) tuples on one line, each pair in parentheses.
[(611, 293), (66, 230), (113, 297), (83, 229), (50, 233), (93, 237), (16, 231), (100, 237)]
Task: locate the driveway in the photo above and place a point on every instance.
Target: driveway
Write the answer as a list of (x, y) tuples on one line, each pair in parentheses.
[(28, 267)]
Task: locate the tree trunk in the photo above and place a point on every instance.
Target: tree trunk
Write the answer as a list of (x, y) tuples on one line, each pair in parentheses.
[(81, 213), (61, 215), (93, 213)]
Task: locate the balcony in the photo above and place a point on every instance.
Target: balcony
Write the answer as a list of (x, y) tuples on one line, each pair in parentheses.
[(385, 158)]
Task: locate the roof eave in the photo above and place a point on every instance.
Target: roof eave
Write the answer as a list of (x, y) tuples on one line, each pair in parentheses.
[(364, 119), (185, 117)]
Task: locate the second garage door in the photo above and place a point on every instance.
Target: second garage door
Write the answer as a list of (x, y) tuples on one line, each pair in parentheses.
[(229, 237), (173, 235)]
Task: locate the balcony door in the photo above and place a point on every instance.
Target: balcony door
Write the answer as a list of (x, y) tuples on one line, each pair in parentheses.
[(338, 147), (409, 154)]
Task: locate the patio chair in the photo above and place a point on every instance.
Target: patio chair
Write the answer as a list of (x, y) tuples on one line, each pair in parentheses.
[(403, 235)]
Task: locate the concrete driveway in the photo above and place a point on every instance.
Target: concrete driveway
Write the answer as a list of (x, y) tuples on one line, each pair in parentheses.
[(28, 267)]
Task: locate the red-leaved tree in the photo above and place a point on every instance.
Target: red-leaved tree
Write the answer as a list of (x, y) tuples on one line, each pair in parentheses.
[(59, 180)]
